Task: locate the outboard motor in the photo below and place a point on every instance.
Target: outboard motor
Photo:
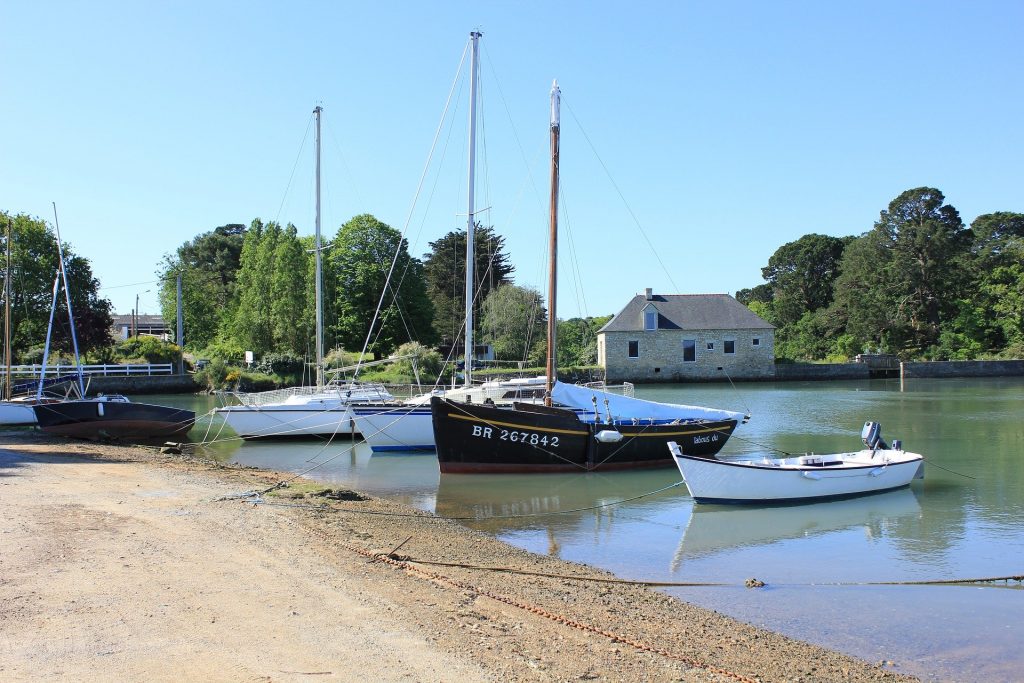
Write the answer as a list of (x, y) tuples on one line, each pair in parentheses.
[(871, 435)]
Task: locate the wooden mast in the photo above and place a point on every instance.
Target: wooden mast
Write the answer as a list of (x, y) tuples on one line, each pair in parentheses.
[(7, 314), (552, 368)]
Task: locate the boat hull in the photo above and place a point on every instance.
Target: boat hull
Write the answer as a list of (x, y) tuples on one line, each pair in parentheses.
[(120, 420), (719, 481), (16, 413), (395, 428), (476, 438), (288, 421)]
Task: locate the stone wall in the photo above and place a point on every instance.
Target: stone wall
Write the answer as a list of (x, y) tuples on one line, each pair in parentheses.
[(793, 372), (660, 357), (964, 368)]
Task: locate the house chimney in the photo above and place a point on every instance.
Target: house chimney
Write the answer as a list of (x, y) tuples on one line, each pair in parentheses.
[(649, 293)]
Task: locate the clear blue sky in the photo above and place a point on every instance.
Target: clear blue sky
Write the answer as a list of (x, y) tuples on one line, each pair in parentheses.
[(729, 128)]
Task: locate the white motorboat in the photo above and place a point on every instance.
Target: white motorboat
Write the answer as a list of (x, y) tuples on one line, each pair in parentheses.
[(812, 476)]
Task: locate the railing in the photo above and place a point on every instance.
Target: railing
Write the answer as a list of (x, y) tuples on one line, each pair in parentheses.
[(354, 393), (115, 370)]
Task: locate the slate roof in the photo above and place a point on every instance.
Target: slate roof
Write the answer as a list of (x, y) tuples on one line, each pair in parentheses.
[(687, 312)]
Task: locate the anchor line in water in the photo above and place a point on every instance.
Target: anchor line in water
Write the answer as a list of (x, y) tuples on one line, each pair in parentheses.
[(749, 583)]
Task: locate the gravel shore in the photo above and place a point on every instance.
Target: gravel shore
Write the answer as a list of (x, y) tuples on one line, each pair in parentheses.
[(121, 563)]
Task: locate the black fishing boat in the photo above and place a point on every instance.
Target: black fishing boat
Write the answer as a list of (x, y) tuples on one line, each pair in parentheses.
[(114, 417), (577, 428), (478, 438)]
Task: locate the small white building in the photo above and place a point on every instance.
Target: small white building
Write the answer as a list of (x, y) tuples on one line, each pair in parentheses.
[(682, 337)]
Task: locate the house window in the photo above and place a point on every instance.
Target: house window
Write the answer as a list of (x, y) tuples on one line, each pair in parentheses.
[(711, 346), (757, 341), (634, 349), (689, 350), (651, 319), (729, 346)]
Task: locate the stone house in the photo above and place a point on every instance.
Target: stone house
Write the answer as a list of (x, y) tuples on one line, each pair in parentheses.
[(683, 337)]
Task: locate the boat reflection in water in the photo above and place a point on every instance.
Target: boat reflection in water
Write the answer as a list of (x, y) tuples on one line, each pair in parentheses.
[(500, 503), (717, 528)]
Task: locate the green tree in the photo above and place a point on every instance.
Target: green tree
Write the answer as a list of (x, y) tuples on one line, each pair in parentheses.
[(761, 293), (209, 266), (801, 274), (903, 278), (34, 265), (360, 258), (577, 340), (445, 271), (252, 327), (996, 267), (289, 292), (515, 323)]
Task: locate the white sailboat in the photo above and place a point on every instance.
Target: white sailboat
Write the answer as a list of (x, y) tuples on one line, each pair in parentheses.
[(407, 426), (321, 410)]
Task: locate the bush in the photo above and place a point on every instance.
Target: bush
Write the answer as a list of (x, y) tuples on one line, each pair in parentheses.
[(255, 381), (428, 362), (146, 350), (213, 376), (290, 368), (227, 351)]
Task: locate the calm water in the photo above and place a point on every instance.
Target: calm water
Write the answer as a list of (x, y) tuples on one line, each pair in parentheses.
[(948, 526)]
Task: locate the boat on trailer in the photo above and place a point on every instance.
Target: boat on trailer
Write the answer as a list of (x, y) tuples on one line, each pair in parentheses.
[(877, 467)]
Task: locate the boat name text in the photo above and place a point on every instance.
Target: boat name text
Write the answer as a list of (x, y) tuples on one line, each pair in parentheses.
[(531, 438)]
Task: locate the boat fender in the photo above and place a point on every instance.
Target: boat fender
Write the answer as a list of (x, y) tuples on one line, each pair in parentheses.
[(608, 436), (811, 475), (99, 408)]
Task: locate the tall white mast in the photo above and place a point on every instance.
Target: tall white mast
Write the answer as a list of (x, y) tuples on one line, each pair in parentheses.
[(552, 368), (474, 37), (319, 265)]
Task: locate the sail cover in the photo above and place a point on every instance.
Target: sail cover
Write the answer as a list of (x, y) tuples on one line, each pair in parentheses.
[(626, 408)]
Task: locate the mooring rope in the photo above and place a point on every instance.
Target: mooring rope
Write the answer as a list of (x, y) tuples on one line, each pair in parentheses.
[(410, 568)]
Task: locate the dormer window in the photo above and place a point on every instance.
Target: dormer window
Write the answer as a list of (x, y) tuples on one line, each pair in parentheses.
[(650, 318)]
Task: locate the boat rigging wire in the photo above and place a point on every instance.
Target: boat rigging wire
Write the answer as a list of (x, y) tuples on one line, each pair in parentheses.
[(298, 157), (636, 221), (419, 187)]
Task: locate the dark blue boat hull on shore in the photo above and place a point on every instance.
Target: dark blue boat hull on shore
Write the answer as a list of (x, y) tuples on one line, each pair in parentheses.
[(98, 419)]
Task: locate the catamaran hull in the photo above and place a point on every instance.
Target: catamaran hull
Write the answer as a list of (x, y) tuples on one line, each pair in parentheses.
[(284, 421), (718, 481), (395, 428), (474, 438), (100, 419)]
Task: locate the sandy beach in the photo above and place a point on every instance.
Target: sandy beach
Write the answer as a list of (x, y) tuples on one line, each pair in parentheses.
[(122, 563)]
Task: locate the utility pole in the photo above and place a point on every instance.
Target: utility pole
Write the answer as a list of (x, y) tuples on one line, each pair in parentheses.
[(180, 331)]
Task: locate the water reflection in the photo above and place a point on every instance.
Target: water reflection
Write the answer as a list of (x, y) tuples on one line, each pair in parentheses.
[(716, 528), (555, 502)]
